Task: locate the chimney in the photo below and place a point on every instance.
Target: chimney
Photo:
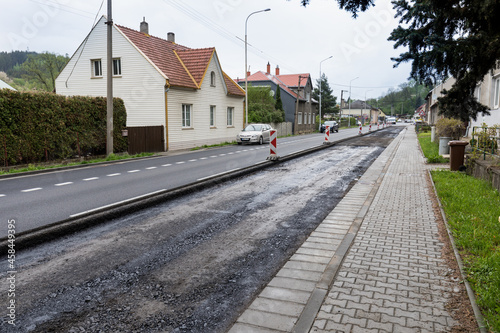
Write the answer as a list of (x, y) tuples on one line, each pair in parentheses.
[(268, 68), (144, 26), (277, 70), (171, 37), (248, 73)]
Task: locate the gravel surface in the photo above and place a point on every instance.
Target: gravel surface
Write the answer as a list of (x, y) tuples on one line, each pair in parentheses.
[(188, 265)]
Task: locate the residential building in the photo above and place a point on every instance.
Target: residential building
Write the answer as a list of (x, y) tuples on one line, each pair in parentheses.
[(362, 110), (4, 85), (294, 88), (162, 83), (487, 92)]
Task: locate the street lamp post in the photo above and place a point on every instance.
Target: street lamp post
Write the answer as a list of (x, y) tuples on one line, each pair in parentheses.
[(320, 86), (341, 99), (246, 65), (349, 120), (362, 119)]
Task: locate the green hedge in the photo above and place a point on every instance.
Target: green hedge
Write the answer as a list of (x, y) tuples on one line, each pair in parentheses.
[(36, 127)]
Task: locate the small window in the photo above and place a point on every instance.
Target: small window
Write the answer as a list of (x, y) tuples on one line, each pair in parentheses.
[(314, 118), (212, 115), (117, 67), (186, 115), (299, 120), (212, 79), (96, 68), (230, 115)]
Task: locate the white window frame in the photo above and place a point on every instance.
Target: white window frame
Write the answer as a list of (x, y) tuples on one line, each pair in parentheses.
[(187, 115), (496, 93), (230, 116), (96, 71), (213, 112), (314, 118), (117, 67), (299, 118), (212, 79)]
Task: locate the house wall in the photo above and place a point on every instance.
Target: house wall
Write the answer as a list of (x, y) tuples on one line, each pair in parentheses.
[(200, 133), (307, 110), (140, 86)]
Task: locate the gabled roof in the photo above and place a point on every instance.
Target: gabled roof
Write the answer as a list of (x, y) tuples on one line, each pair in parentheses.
[(181, 65), (5, 85), (292, 80), (262, 77)]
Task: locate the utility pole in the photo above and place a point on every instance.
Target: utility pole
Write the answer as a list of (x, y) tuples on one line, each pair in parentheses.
[(297, 107), (109, 112), (341, 100)]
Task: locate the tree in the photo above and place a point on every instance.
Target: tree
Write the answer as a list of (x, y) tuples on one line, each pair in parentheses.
[(328, 101), (261, 106), (43, 68), (279, 103), (445, 38)]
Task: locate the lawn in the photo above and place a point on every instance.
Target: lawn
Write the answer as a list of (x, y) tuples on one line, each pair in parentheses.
[(472, 208), (430, 149)]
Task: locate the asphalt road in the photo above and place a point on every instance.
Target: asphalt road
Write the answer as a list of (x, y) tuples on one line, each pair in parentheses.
[(190, 264), (38, 200)]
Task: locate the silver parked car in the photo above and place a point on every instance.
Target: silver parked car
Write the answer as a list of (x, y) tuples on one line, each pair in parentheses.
[(254, 133)]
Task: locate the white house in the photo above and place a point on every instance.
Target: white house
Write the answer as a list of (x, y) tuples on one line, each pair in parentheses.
[(487, 92), (161, 83), (4, 85)]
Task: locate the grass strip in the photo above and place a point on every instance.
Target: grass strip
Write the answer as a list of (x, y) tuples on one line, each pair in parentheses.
[(111, 157), (430, 149), (472, 208)]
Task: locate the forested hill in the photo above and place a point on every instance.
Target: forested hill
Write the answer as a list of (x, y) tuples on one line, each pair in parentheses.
[(8, 60)]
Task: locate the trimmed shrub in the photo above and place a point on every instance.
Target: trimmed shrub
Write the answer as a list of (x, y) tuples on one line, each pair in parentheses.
[(36, 127), (452, 128)]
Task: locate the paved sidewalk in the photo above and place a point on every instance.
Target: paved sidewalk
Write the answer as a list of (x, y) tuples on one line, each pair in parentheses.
[(373, 265)]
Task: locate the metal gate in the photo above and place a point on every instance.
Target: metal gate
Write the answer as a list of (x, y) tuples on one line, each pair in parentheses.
[(145, 139)]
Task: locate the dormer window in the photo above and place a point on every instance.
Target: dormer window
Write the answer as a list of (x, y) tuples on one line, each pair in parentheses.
[(212, 79)]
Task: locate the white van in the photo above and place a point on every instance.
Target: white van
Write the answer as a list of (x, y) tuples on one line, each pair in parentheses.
[(390, 120)]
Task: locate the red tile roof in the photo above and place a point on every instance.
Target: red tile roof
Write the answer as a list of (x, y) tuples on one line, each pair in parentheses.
[(261, 76), (183, 66), (292, 80)]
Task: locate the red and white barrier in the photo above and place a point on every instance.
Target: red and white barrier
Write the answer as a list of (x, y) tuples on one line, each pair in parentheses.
[(360, 129), (370, 128), (378, 126), (273, 156), (327, 134)]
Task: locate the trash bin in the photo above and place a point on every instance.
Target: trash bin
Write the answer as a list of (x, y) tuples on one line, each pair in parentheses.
[(457, 150), (443, 145)]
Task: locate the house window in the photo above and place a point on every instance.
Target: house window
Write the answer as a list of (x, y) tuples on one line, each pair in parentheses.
[(212, 115), (477, 93), (212, 79), (186, 115), (314, 118), (230, 116), (309, 118), (299, 120), (117, 67), (496, 93), (96, 68)]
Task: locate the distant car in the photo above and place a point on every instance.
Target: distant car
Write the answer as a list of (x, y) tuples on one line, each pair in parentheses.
[(254, 133), (334, 126), (390, 120)]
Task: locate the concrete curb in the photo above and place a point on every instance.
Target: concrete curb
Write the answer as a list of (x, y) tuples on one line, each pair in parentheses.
[(58, 229), (470, 292)]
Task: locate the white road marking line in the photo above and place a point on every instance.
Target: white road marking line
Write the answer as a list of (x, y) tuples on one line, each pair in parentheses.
[(222, 154), (180, 162), (113, 174), (133, 171), (230, 153), (2, 195), (218, 174), (116, 203), (239, 151), (166, 165), (193, 160), (204, 158), (64, 184), (31, 189), (89, 179), (213, 156), (151, 168)]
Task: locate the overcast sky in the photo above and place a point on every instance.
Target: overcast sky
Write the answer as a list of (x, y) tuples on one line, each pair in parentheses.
[(295, 38)]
